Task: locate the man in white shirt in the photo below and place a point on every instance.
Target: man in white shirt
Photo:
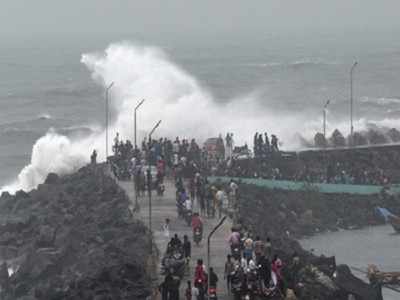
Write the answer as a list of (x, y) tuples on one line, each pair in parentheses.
[(219, 196), (233, 187), (188, 204)]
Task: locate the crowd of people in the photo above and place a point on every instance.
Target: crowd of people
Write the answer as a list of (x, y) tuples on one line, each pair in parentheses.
[(263, 146), (186, 157), (251, 267)]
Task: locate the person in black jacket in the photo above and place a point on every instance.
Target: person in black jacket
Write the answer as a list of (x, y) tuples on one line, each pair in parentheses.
[(187, 248), (213, 279), (265, 270)]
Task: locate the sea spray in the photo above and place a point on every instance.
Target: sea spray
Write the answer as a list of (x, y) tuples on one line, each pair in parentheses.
[(186, 108)]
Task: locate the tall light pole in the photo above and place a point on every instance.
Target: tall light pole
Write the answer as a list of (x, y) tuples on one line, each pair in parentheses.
[(149, 181), (136, 108), (324, 118), (107, 91), (351, 103)]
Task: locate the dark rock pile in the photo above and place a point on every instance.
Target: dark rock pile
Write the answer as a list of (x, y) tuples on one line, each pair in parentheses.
[(73, 238), (284, 216), (302, 213)]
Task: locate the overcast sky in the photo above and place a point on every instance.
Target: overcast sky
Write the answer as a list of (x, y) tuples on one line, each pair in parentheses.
[(31, 17)]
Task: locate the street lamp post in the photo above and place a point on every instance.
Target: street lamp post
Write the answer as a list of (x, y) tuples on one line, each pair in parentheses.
[(107, 91), (324, 118), (136, 152), (209, 241), (136, 108), (351, 103), (149, 181)]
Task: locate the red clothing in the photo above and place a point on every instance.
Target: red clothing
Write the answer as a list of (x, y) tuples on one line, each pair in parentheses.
[(277, 268), (199, 275), (196, 223), (161, 166)]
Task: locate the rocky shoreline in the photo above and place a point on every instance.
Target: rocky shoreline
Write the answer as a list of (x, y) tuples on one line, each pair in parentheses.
[(73, 237), (286, 216)]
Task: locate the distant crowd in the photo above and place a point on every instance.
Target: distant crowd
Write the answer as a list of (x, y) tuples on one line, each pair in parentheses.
[(263, 147), (216, 157)]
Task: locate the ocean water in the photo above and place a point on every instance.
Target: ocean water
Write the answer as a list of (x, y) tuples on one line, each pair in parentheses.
[(52, 91), (376, 245)]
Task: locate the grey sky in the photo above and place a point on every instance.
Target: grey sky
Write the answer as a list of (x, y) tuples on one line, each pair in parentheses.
[(194, 16)]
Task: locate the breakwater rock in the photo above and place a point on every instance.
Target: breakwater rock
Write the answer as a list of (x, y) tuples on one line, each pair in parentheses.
[(285, 216), (304, 213), (73, 237)]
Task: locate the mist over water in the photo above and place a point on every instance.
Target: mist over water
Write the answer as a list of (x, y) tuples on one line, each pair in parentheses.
[(271, 91), (172, 95)]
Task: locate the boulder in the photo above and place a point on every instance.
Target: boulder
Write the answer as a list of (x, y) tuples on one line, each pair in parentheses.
[(52, 178)]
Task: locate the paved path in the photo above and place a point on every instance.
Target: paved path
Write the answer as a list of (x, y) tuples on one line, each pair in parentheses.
[(165, 207)]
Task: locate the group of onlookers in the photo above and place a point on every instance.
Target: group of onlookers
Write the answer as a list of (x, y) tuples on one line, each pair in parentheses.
[(263, 146), (185, 157)]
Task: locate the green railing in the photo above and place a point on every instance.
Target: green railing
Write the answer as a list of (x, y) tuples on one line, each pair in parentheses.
[(306, 186)]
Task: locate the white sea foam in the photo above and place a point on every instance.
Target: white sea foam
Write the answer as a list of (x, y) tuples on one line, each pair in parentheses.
[(172, 95)]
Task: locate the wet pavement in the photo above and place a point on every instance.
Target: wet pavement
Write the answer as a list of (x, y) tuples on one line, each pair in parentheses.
[(165, 207)]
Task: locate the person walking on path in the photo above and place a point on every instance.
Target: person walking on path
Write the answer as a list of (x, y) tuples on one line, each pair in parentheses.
[(213, 279), (233, 188), (187, 249), (229, 269), (166, 229), (219, 199), (200, 279)]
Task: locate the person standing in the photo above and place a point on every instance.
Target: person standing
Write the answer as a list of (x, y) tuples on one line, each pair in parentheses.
[(265, 270), (192, 292), (213, 279), (258, 248), (166, 229), (200, 279), (209, 199), (174, 291), (233, 187), (219, 199), (214, 201), (277, 269), (200, 198), (93, 157), (229, 269), (248, 248), (187, 249)]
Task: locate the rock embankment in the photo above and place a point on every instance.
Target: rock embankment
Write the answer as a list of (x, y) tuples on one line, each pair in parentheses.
[(284, 216), (304, 213), (73, 238)]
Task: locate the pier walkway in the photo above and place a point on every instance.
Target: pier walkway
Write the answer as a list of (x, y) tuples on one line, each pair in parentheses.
[(165, 207)]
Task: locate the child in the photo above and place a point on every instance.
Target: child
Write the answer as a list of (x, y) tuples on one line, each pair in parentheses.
[(191, 293)]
